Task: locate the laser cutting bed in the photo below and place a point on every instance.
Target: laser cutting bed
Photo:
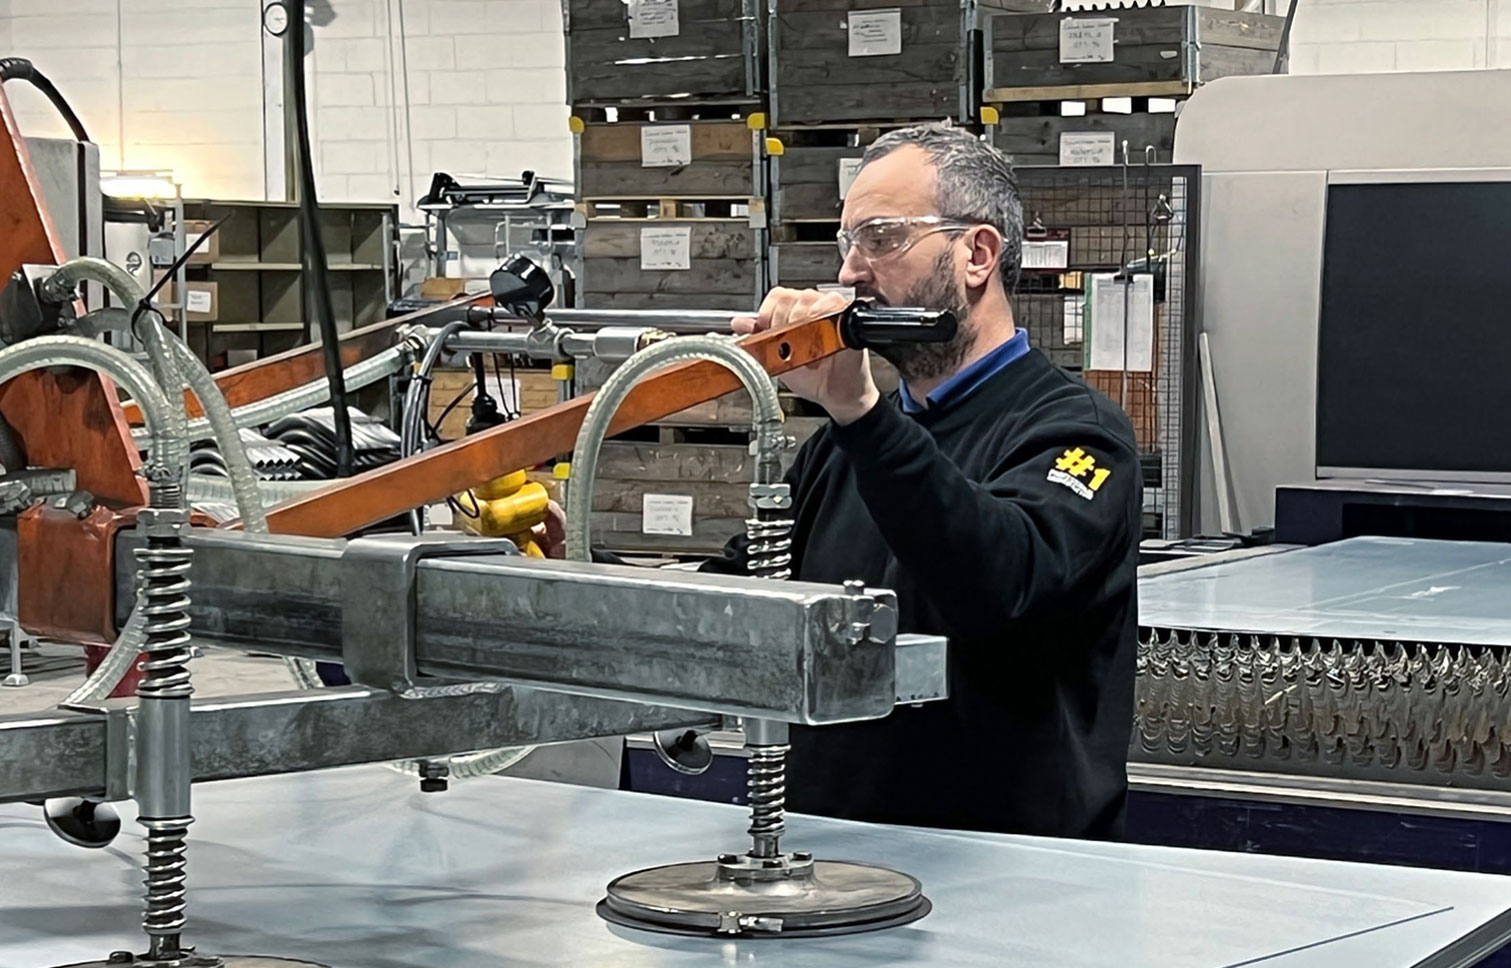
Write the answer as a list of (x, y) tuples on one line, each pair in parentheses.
[(355, 869)]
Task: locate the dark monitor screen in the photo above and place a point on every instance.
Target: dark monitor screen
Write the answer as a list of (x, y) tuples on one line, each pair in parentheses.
[(1414, 354)]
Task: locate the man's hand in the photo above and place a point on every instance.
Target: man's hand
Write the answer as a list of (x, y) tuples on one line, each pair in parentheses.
[(551, 534), (841, 383)]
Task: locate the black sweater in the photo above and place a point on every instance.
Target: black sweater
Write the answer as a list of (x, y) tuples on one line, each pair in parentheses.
[(1009, 522)]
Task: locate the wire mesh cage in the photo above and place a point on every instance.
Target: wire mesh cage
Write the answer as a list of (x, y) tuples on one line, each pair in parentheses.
[(1131, 230)]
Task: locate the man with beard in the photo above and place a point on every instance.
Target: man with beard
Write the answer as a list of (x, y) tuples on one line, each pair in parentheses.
[(1000, 498), (997, 495)]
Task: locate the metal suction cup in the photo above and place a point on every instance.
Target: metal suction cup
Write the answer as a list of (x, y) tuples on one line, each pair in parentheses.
[(749, 897), (125, 959), (81, 822), (684, 750)]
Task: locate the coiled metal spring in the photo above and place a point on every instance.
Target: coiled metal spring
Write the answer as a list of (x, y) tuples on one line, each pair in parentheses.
[(163, 567), (166, 873), (769, 553), (766, 782)]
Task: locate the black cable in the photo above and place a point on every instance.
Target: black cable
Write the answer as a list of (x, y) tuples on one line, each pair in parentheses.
[(511, 401), (21, 69), (314, 243), (435, 427)]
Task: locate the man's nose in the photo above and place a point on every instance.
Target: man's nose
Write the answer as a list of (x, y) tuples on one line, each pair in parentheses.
[(855, 270)]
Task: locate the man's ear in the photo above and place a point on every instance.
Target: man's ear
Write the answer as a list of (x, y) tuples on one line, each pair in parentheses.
[(985, 244)]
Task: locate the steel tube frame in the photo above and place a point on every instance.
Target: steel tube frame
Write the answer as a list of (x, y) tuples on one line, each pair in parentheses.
[(790, 651), (77, 753)]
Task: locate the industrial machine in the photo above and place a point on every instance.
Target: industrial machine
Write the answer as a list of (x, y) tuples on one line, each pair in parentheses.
[(1352, 303)]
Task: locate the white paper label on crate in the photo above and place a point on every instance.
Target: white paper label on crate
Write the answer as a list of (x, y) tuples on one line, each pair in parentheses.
[(198, 301), (653, 18), (1088, 148), (1122, 323), (875, 33), (1072, 330), (666, 145), (670, 247), (1046, 254), (848, 169), (1086, 41), (666, 514)]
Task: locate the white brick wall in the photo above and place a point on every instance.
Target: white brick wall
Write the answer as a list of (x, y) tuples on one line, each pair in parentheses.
[(1350, 36), (484, 80), (180, 84)]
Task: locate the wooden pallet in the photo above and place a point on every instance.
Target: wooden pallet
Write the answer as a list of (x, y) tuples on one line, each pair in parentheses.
[(715, 55), (724, 269), (537, 392), (683, 208), (724, 161), (803, 265), (815, 79), (749, 112), (1182, 45), (1041, 132)]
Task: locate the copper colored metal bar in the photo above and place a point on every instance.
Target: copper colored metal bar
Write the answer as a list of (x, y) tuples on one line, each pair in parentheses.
[(366, 499), (71, 418), (264, 378)]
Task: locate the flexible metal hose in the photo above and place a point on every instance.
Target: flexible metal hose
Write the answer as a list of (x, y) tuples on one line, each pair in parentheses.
[(268, 409), (61, 285), (166, 457), (169, 450), (767, 420), (243, 477)]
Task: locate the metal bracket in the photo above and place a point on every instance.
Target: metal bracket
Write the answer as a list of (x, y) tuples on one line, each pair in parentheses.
[(378, 605), (120, 743)]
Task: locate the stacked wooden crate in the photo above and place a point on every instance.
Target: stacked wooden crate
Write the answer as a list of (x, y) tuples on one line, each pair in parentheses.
[(668, 121), (666, 102), (842, 72), (1073, 88), (671, 209)]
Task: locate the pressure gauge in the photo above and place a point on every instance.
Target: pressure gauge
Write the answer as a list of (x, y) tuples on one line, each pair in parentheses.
[(275, 18)]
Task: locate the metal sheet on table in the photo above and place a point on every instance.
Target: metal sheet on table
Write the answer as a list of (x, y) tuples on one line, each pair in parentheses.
[(1361, 588), (357, 869)]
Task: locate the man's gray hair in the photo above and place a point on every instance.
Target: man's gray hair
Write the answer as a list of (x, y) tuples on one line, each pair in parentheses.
[(976, 183)]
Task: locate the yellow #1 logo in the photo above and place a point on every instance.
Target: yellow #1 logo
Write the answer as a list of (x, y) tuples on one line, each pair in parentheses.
[(1072, 469)]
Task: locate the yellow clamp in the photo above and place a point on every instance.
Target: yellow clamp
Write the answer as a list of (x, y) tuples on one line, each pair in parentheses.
[(508, 506), (562, 371)]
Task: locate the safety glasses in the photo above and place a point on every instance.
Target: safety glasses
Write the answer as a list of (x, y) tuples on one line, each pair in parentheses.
[(886, 235)]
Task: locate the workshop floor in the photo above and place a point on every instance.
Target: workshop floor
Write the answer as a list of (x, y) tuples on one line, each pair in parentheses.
[(55, 670)]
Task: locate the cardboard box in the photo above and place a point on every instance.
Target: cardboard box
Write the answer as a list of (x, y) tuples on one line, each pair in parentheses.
[(442, 287), (203, 300), (207, 253)]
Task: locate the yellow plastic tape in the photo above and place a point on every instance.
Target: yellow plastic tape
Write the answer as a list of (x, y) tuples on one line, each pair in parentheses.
[(576, 124), (989, 115), (562, 371), (775, 148), (757, 121)]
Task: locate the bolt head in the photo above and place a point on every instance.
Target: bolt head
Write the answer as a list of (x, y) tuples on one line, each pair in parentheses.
[(729, 858), (771, 864), (433, 784), (120, 958), (802, 856)]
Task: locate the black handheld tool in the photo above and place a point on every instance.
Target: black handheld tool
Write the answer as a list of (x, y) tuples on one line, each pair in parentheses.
[(866, 324), (522, 287)]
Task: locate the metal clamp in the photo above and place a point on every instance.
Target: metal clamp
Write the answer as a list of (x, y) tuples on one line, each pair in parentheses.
[(378, 604), (873, 614)]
